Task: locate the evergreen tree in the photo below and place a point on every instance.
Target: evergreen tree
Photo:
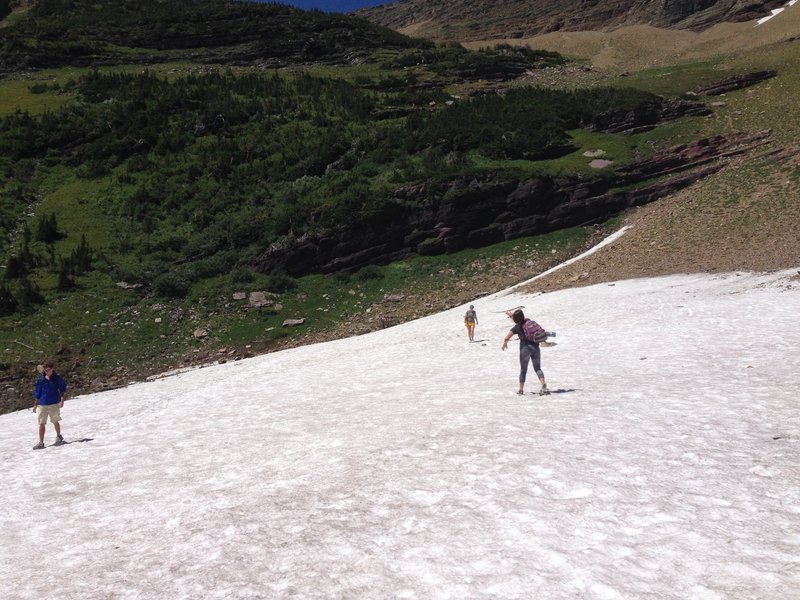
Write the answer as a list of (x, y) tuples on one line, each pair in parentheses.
[(15, 268), (29, 294), (65, 282), (81, 258), (19, 265), (47, 229), (8, 304)]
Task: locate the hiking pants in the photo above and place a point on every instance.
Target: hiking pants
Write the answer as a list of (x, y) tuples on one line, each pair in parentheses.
[(533, 353)]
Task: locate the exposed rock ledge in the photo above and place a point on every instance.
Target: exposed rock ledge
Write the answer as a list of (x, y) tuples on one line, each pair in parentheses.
[(735, 82), (429, 219)]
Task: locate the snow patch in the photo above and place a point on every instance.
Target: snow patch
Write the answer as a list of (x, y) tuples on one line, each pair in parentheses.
[(775, 12), (403, 464)]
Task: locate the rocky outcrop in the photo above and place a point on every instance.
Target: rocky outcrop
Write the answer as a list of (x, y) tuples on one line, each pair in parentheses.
[(647, 116), (437, 218), (466, 20), (734, 82)]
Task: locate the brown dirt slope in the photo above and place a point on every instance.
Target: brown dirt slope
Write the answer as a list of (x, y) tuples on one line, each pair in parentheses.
[(747, 217), (744, 218), (469, 20), (643, 46)]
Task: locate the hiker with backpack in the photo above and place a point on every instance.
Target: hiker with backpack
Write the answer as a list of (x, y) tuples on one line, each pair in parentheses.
[(470, 320), (531, 334)]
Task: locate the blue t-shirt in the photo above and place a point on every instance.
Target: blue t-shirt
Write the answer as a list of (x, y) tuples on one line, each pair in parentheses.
[(49, 392)]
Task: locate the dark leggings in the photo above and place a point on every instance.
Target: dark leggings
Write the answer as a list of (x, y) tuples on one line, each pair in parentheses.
[(530, 352)]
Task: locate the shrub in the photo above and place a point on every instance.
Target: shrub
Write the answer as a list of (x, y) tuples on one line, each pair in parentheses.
[(65, 282), (242, 275), (430, 247), (369, 272), (171, 285), (280, 283), (93, 169)]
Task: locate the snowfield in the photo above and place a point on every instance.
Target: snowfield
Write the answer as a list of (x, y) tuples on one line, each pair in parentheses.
[(401, 464)]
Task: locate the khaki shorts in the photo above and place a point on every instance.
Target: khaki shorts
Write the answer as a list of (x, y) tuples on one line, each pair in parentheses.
[(49, 410)]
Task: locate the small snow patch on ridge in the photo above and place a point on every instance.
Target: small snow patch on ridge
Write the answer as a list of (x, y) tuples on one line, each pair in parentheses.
[(775, 12)]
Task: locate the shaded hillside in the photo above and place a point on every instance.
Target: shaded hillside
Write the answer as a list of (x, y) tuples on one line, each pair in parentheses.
[(467, 20), (56, 33)]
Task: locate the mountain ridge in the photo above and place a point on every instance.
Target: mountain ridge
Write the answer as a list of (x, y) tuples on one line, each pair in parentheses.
[(55, 33), (470, 20)]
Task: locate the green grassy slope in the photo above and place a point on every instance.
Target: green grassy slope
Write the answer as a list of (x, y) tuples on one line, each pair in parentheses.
[(746, 217)]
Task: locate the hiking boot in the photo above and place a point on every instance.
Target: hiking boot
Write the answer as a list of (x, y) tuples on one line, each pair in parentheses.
[(39, 446), (543, 391), (60, 441), (520, 392)]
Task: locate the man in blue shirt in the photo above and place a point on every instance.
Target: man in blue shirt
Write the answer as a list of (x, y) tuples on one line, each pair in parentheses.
[(49, 398)]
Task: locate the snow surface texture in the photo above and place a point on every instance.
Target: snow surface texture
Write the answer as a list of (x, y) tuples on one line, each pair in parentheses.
[(402, 464)]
